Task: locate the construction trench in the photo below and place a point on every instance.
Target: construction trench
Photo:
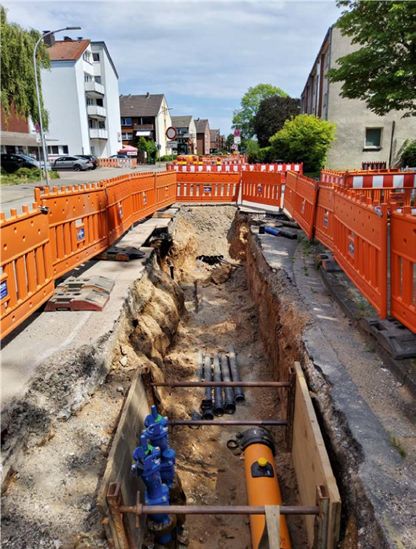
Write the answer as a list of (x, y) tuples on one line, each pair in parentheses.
[(207, 297)]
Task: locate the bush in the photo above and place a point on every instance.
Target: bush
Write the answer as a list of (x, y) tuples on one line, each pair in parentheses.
[(32, 173), (408, 153), (306, 139), (25, 175), (167, 158)]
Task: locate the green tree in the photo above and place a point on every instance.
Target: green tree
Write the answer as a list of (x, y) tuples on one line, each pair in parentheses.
[(250, 103), (229, 141), (18, 89), (305, 139), (382, 71), (272, 114), (407, 153)]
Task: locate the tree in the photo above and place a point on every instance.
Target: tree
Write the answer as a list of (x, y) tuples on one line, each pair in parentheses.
[(272, 114), (407, 153), (250, 102), (229, 141), (382, 71), (305, 139), (18, 89)]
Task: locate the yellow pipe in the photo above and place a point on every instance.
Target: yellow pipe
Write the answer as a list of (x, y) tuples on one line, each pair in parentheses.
[(263, 489)]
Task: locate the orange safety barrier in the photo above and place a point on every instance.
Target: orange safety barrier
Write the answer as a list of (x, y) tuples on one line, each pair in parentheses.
[(264, 188), (371, 179), (403, 267), (77, 219), (300, 200), (324, 222), (26, 281), (207, 187), (360, 245), (165, 189)]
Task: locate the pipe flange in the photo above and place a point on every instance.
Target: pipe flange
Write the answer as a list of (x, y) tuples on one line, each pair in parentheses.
[(257, 435), (160, 528)]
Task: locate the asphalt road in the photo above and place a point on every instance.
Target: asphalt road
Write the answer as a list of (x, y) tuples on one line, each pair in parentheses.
[(14, 196)]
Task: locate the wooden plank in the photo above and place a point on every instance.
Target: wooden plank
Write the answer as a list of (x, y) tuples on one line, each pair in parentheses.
[(120, 459), (273, 526), (311, 461)]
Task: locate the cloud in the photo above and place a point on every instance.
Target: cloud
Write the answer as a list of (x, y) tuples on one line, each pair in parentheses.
[(202, 54)]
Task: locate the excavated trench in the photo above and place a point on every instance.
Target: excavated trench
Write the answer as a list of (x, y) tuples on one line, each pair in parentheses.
[(181, 306)]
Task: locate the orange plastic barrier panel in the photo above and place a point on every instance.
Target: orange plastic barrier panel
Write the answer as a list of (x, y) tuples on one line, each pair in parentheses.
[(207, 187), (26, 281), (360, 245), (324, 222), (403, 267), (77, 219), (165, 189), (264, 188), (300, 200)]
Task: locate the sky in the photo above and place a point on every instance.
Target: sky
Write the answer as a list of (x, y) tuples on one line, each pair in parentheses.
[(202, 54)]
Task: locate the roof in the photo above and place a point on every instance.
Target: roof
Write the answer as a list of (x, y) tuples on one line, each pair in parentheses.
[(181, 121), (18, 139), (67, 50), (201, 125), (140, 105), (103, 45)]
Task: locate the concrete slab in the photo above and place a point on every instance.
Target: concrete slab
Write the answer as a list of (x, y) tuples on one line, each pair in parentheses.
[(51, 332)]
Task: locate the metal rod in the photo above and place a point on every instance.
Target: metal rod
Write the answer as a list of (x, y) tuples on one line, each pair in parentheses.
[(221, 384), (215, 509), (225, 422)]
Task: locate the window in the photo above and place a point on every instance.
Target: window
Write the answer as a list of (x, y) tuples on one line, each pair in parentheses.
[(65, 149), (98, 79), (126, 121), (127, 136), (53, 149), (100, 102), (87, 56), (87, 77), (96, 56), (372, 138), (90, 101)]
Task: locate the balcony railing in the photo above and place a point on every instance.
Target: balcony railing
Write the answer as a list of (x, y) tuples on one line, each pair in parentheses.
[(98, 133), (92, 86), (96, 110), (143, 127)]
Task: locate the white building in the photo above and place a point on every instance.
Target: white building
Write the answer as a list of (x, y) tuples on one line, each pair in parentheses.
[(80, 92)]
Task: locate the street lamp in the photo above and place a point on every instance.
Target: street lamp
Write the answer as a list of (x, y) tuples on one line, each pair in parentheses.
[(42, 135)]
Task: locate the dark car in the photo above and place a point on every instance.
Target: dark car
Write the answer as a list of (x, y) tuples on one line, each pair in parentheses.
[(91, 158), (119, 155), (12, 162), (71, 163)]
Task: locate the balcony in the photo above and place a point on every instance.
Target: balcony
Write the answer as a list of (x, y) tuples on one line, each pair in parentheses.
[(143, 127), (94, 88), (98, 133), (96, 110)]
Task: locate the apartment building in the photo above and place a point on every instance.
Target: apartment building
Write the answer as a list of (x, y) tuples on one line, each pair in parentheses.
[(81, 92), (216, 141), (361, 135), (146, 116), (203, 136), (185, 134)]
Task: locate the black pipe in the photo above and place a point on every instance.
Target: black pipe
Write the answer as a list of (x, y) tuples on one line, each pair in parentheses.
[(238, 391), (229, 402), (206, 404), (218, 400)]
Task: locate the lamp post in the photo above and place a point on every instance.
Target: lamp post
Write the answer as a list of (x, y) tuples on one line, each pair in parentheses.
[(42, 135)]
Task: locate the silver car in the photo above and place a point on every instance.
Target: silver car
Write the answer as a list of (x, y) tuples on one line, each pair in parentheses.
[(72, 163)]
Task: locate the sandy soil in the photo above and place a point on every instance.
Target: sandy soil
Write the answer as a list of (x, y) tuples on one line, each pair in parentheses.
[(225, 316)]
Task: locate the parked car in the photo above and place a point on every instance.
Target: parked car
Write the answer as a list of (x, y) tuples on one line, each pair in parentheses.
[(119, 155), (90, 157), (11, 162), (72, 163)]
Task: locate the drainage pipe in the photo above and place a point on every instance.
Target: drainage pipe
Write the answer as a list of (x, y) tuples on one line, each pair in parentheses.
[(206, 404), (235, 374), (218, 399), (261, 482), (229, 402)]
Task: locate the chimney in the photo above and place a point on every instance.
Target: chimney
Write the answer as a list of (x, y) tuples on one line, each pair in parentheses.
[(67, 39), (49, 40), (147, 94)]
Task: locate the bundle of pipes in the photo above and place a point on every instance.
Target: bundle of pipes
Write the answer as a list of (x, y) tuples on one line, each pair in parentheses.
[(219, 368)]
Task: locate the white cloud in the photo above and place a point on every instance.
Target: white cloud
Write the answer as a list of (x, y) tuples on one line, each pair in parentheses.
[(196, 51)]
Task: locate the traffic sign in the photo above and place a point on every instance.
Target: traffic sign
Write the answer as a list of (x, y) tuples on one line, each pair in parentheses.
[(171, 132)]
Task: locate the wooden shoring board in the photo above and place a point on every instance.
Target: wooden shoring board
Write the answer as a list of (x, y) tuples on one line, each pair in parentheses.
[(120, 459), (311, 462)]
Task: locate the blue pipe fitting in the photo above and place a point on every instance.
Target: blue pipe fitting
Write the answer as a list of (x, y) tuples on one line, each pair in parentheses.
[(157, 433), (148, 467)]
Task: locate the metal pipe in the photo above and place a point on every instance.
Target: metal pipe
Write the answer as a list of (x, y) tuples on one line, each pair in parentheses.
[(206, 404), (218, 399), (235, 374), (229, 401), (252, 384), (228, 422), (141, 509)]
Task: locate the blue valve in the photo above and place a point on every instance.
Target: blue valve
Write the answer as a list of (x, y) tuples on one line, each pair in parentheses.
[(157, 433)]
